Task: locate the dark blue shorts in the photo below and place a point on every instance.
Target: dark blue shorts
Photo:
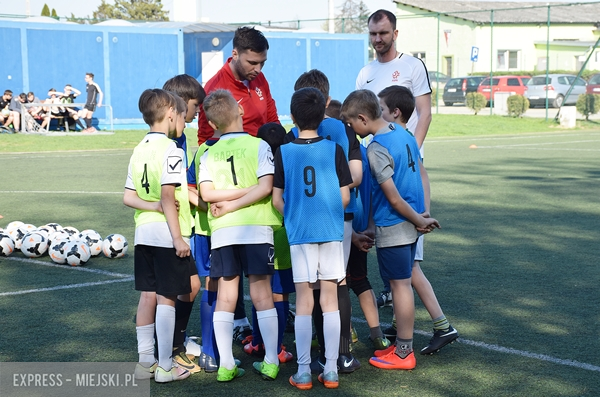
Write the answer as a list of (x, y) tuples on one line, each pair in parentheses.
[(282, 282), (395, 263), (235, 260), (200, 246)]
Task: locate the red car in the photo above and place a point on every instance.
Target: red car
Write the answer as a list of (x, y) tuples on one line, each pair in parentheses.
[(514, 84), (593, 86)]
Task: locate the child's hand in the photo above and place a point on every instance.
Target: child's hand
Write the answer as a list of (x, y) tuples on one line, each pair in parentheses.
[(362, 241), (219, 209), (182, 249), (428, 226)]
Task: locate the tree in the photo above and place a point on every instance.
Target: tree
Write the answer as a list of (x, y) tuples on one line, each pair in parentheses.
[(45, 11), (352, 17), (138, 10), (54, 14)]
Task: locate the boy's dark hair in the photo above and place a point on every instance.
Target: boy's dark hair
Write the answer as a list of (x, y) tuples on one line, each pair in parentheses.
[(313, 78), (334, 109), (398, 97), (221, 108), (186, 87), (246, 38), (31, 93), (273, 134), (23, 96), (154, 103), (7, 92), (361, 102), (308, 108), (381, 14), (91, 75)]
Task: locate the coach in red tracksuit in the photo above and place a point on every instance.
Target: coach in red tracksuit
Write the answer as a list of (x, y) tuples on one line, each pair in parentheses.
[(242, 75)]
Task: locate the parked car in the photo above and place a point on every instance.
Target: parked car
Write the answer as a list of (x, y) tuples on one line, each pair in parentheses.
[(456, 89), (593, 86), (556, 87), (434, 76), (512, 84)]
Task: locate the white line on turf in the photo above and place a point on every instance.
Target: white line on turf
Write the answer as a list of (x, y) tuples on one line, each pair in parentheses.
[(55, 192), (496, 348), (69, 286), (78, 268), (532, 145), (508, 137)]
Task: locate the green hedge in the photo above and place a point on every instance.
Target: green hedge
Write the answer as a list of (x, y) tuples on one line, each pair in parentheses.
[(475, 101), (588, 104), (517, 105), (586, 74)]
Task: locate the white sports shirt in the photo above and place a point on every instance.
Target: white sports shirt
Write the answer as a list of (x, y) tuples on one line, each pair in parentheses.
[(406, 70)]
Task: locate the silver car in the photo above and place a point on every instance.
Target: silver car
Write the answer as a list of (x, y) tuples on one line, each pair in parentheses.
[(557, 87)]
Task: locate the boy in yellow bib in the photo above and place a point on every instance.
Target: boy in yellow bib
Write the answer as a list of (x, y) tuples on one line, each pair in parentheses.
[(155, 181), (236, 178)]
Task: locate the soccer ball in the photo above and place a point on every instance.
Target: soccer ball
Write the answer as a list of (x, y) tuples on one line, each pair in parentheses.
[(7, 246), (13, 225), (20, 232), (71, 230), (77, 253), (34, 245), (59, 236), (114, 246), (45, 230), (57, 252), (93, 239), (53, 226)]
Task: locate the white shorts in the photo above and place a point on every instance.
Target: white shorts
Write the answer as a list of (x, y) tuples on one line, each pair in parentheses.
[(419, 249), (318, 261), (347, 242)]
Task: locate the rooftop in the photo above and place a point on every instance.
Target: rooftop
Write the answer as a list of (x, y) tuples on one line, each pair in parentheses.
[(510, 12)]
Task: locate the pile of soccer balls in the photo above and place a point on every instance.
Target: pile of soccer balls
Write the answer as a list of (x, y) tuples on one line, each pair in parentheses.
[(65, 245)]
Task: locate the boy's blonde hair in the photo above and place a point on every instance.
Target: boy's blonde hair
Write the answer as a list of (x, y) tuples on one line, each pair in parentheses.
[(363, 102), (154, 103), (221, 108)]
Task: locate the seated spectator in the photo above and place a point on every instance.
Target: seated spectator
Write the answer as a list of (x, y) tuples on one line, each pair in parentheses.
[(6, 116), (69, 97), (37, 112), (54, 111), (15, 108)]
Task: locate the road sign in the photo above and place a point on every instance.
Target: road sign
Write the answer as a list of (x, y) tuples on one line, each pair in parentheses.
[(474, 54)]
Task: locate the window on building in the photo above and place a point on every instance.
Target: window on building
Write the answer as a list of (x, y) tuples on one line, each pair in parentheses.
[(508, 59), (420, 55)]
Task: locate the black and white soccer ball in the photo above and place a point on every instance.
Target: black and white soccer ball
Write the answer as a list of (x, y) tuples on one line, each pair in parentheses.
[(53, 226), (7, 246), (73, 231), (20, 232), (77, 253), (114, 246), (58, 237), (93, 239), (34, 245), (57, 252)]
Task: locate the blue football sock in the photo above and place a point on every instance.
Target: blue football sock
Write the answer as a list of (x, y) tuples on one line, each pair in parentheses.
[(207, 309), (257, 339), (282, 313)]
